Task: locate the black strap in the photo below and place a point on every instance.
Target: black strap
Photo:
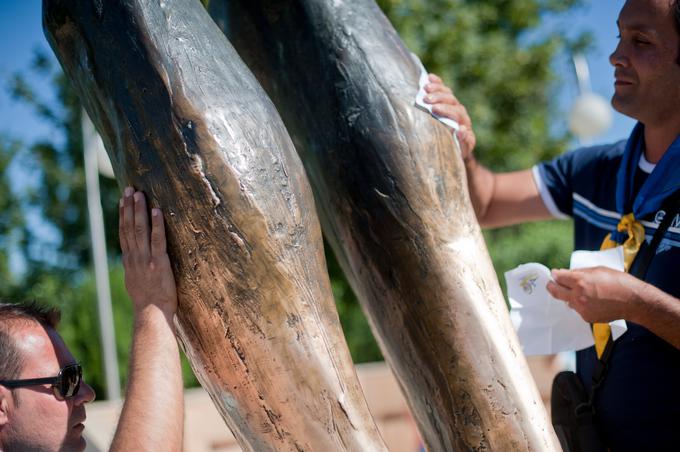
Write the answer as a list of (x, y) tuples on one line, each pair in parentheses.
[(671, 206)]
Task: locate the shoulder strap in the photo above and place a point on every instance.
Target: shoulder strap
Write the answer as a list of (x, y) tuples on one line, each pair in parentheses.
[(671, 206)]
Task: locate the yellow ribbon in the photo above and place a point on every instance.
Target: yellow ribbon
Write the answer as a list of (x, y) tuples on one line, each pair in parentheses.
[(636, 235)]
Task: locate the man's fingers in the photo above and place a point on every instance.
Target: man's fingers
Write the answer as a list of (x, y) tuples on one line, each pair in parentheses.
[(560, 292), (566, 278), (434, 78), (455, 112), (158, 243), (129, 219), (467, 141), (437, 88), (121, 228), (142, 233), (441, 97), (565, 285)]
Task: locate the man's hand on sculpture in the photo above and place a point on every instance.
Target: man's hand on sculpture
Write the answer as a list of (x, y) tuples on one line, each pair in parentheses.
[(153, 413), (445, 104), (148, 275), (598, 294)]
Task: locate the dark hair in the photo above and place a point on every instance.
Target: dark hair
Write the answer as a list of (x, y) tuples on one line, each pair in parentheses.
[(11, 361)]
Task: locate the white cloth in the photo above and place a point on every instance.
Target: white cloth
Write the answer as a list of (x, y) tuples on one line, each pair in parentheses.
[(420, 102), (544, 324)]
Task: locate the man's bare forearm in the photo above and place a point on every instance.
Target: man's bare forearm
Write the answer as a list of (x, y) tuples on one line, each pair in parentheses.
[(503, 199), (152, 418), (600, 295), (657, 311), (153, 415)]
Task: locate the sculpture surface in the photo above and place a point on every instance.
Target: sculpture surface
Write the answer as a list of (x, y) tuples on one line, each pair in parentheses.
[(185, 121), (392, 198)]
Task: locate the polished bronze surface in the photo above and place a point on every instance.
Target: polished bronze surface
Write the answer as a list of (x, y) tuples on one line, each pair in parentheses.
[(391, 192), (185, 121)]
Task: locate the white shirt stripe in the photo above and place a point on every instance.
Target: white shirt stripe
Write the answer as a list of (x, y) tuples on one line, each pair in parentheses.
[(555, 212), (546, 196), (593, 207)]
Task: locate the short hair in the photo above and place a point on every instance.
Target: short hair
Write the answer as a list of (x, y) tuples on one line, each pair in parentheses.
[(11, 361)]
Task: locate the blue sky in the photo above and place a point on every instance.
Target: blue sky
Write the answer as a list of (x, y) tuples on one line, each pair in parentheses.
[(21, 33)]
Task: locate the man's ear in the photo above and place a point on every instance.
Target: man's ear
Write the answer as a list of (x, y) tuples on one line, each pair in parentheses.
[(6, 402)]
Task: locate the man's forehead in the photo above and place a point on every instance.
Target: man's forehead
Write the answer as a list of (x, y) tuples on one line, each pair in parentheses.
[(41, 348), (645, 15)]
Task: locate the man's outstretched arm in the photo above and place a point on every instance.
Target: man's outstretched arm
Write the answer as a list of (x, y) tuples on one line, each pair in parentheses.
[(601, 295), (499, 199), (152, 418)]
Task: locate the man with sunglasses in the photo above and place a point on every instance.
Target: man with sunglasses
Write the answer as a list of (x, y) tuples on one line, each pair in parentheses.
[(42, 398), (42, 394)]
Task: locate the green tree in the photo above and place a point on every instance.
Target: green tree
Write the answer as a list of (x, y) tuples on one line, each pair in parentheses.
[(56, 169), (12, 224)]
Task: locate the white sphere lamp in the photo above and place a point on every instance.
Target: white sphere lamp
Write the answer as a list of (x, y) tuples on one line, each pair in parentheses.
[(590, 116)]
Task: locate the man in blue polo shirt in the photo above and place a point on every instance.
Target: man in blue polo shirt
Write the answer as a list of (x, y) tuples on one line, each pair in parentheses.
[(624, 186)]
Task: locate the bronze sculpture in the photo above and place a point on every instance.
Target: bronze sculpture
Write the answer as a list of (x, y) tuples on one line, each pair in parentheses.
[(184, 120), (393, 202)]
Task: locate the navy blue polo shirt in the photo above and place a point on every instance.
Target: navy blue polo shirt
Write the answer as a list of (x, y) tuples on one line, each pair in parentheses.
[(638, 404)]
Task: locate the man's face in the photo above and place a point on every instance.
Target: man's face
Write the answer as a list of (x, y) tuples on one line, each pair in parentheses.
[(34, 419), (647, 75)]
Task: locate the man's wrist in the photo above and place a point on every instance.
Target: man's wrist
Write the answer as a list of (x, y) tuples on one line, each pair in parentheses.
[(637, 301), (470, 161), (152, 314)]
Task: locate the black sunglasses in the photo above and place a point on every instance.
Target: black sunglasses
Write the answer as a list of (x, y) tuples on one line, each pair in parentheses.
[(65, 385)]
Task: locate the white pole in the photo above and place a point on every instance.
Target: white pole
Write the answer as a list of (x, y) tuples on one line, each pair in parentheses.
[(101, 267), (582, 73)]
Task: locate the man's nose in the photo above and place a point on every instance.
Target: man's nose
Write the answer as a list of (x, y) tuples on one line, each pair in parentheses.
[(85, 394), (618, 57)]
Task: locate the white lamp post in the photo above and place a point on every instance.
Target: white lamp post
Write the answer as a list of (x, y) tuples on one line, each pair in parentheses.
[(94, 154)]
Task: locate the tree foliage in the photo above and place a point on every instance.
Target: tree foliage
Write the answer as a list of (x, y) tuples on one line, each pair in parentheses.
[(12, 223), (478, 46), (57, 178)]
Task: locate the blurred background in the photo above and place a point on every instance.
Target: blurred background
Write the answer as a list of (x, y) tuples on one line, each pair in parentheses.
[(511, 62)]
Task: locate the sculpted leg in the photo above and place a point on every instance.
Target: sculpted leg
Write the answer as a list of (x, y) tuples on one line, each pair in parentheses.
[(393, 202), (185, 121)]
